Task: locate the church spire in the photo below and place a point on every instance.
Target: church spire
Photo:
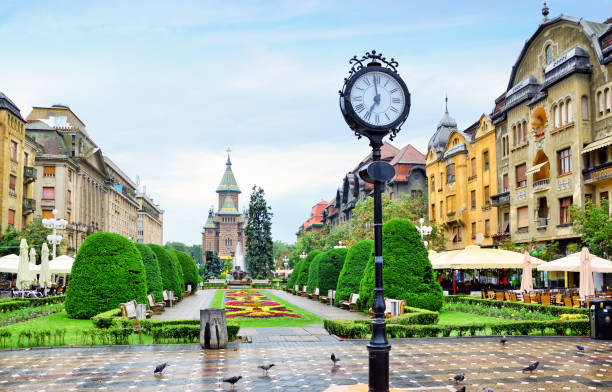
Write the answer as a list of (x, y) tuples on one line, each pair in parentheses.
[(228, 163), (228, 181)]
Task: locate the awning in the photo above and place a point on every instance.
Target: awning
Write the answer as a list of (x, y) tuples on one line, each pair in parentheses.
[(475, 257), (598, 144), (536, 168), (571, 263)]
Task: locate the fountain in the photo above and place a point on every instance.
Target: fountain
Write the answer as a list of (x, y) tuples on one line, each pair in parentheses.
[(240, 270)]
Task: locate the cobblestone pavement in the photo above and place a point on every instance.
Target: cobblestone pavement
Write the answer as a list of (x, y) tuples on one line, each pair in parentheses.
[(415, 365), (310, 333), (315, 307), (189, 307)]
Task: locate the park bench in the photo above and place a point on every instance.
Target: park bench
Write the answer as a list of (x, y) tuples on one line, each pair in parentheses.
[(156, 307), (128, 310), (169, 297), (187, 292), (314, 295), (260, 281), (297, 289), (329, 298), (303, 292), (351, 304)]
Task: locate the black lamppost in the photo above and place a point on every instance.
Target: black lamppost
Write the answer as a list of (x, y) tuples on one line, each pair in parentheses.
[(375, 102)]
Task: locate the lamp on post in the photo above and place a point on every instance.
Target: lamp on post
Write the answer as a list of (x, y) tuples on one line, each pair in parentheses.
[(303, 255), (375, 102), (424, 230), (286, 263), (55, 224)]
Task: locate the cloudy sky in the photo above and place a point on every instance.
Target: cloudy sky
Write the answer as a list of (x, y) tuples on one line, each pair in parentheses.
[(165, 87)]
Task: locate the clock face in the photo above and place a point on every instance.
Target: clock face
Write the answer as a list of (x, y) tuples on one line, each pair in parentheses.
[(377, 98)]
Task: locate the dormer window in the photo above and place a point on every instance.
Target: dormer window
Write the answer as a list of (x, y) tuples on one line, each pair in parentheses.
[(455, 142), (548, 54)]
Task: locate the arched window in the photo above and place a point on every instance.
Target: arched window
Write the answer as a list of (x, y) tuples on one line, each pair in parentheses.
[(455, 141), (607, 94), (600, 103), (514, 140), (584, 101), (524, 131), (548, 54), (568, 107), (557, 117), (562, 109)]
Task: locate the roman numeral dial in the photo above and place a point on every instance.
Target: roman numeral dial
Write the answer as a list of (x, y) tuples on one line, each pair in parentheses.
[(377, 98)]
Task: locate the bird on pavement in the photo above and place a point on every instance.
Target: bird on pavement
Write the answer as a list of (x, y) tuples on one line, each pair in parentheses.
[(531, 367), (487, 390), (334, 359), (232, 380), (579, 347), (265, 368), (462, 389), (459, 378), (503, 340), (160, 368)]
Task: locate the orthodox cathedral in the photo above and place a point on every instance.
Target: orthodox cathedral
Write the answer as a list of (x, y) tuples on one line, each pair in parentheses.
[(224, 230)]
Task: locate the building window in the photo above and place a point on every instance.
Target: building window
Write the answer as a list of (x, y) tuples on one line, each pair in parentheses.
[(69, 175), (391, 196), (459, 239), (600, 103), (487, 228), (473, 230), (68, 217), (607, 95), (521, 176), (564, 215), (12, 185), (522, 218), (450, 173), (584, 103), (49, 171), (565, 161), (441, 209), (26, 158), (432, 185), (603, 195), (473, 165), (473, 199), (69, 197), (505, 185), (568, 107), (548, 54), (48, 193), (14, 150), (602, 155), (487, 196), (11, 217), (433, 212), (485, 158), (441, 180), (563, 111), (47, 214)]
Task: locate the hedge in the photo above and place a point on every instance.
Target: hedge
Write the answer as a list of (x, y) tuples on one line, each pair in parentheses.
[(9, 306), (302, 269), (358, 329), (14, 303), (107, 270), (214, 285), (154, 280), (149, 326), (313, 273), (167, 269), (352, 270), (190, 271), (413, 316), (105, 319), (548, 309), (267, 286), (330, 265), (53, 299), (407, 271), (179, 270)]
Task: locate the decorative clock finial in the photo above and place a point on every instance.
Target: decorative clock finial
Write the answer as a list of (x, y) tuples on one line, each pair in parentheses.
[(228, 156), (545, 12)]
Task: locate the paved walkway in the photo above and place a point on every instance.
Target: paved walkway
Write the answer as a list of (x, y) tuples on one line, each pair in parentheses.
[(189, 307), (415, 365), (322, 310)]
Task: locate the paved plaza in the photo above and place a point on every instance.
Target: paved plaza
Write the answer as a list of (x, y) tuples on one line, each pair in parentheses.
[(416, 365), (189, 307)]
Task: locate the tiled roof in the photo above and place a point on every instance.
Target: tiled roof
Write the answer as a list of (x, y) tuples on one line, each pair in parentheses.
[(210, 222), (228, 182), (228, 207), (408, 155), (316, 216), (387, 152), (6, 103)]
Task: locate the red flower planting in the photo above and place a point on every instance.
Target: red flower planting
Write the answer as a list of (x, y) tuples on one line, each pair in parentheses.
[(252, 304)]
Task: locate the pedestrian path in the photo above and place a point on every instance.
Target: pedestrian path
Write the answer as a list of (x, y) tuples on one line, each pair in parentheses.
[(315, 307), (189, 307), (276, 335)]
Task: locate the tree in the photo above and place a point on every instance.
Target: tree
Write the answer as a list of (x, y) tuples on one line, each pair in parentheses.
[(299, 276), (154, 280), (180, 287), (329, 268), (190, 271), (595, 225), (212, 265), (35, 234), (352, 270), (9, 242), (107, 270), (313, 273), (311, 240), (195, 251), (280, 251), (227, 266), (407, 271), (259, 257), (167, 269), (336, 234)]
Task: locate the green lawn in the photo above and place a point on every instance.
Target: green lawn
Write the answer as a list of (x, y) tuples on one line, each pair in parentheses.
[(449, 317), (217, 302)]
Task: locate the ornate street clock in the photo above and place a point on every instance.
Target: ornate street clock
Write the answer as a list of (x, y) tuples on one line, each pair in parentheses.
[(374, 99)]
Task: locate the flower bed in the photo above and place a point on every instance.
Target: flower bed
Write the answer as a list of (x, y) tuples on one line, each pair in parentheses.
[(252, 304)]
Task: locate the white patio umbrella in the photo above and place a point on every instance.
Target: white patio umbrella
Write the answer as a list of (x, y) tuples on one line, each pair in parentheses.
[(527, 280), (586, 274), (571, 263), (44, 279), (24, 276), (475, 257), (61, 264), (9, 264)]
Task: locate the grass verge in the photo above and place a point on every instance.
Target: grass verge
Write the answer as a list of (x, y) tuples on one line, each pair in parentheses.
[(217, 302), (449, 317)]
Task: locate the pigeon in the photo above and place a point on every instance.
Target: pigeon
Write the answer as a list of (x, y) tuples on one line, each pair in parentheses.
[(531, 367), (334, 359), (503, 340), (579, 347), (266, 368), (459, 378), (160, 368), (232, 380), (487, 390), (462, 389)]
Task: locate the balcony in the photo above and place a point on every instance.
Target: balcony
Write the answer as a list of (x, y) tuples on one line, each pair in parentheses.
[(541, 185), (597, 173), (29, 174), (28, 206), (500, 199), (499, 238)]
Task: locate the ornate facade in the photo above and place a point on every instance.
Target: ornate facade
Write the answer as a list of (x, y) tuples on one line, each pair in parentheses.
[(224, 230), (150, 221)]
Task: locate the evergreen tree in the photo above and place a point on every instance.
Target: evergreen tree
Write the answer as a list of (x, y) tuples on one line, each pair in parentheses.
[(259, 256), (212, 266)]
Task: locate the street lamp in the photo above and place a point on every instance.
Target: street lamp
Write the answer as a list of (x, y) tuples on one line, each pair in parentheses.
[(55, 224), (375, 102), (339, 245), (303, 255), (286, 263), (424, 230)]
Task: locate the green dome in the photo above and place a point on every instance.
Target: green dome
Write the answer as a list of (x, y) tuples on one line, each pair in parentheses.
[(228, 182)]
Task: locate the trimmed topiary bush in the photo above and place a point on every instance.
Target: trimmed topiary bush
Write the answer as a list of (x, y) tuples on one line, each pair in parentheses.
[(352, 270), (313, 273), (188, 266), (407, 271), (329, 268), (303, 267), (154, 280), (167, 269), (179, 269), (107, 270)]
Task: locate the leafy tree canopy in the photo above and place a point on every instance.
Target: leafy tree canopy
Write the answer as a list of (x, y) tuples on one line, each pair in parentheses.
[(595, 225), (195, 251)]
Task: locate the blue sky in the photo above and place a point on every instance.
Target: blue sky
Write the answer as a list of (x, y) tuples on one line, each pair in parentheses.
[(165, 87)]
